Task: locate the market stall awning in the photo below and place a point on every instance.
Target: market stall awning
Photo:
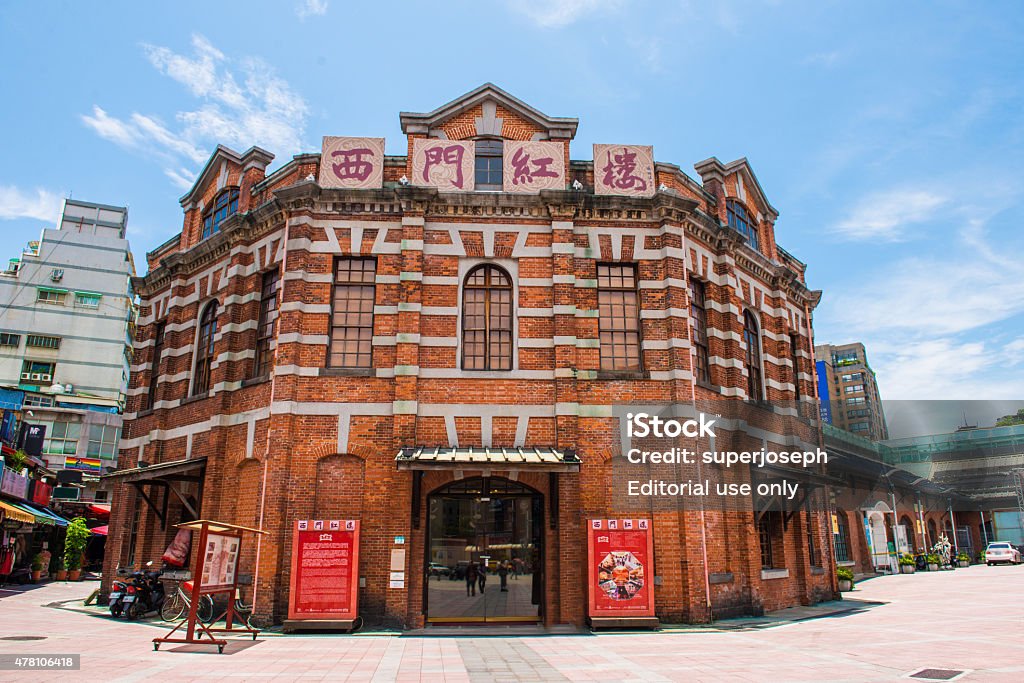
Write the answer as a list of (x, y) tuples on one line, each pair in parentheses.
[(544, 459), (98, 509), (37, 517), (16, 513), (43, 510), (101, 530)]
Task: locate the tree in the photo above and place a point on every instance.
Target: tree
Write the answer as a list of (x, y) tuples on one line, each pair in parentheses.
[(74, 543), (1008, 420)]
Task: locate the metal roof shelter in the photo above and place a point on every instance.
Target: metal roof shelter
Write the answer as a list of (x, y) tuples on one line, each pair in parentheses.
[(541, 459)]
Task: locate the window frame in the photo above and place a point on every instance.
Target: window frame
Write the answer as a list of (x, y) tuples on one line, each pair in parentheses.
[(43, 297), (603, 321), (740, 220), (154, 367), (104, 429), (223, 206), (266, 323), (794, 340), (10, 339), (47, 342), (841, 540), (697, 291), (350, 285), (489, 288), (64, 439), (753, 358), (82, 297), (202, 365), (491, 150), (769, 537)]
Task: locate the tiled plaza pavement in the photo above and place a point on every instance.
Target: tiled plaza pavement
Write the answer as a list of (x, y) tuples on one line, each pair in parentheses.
[(969, 620)]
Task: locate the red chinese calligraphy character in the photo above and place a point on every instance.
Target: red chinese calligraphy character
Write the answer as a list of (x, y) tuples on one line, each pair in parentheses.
[(521, 165), (618, 172), (352, 164), (448, 156)]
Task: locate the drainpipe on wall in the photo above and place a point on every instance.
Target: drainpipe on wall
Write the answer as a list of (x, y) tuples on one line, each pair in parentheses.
[(952, 521), (894, 564)]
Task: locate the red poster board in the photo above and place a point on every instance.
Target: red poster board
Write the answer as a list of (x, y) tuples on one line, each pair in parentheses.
[(325, 569), (620, 568)]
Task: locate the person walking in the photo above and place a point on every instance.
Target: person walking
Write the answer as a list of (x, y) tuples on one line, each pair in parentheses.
[(503, 575), (481, 573), (471, 578)]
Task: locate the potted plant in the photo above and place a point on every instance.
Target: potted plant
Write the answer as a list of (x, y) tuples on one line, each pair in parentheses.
[(963, 559), (933, 562), (74, 543), (845, 577), (62, 572), (37, 567), (907, 564)]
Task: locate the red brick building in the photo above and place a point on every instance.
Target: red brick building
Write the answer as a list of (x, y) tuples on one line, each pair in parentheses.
[(296, 337)]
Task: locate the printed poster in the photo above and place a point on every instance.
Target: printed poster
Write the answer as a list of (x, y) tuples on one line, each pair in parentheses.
[(620, 568)]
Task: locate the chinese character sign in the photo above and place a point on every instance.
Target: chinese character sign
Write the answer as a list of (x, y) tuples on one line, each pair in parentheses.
[(325, 569), (624, 170), (352, 163), (444, 164), (531, 166), (620, 567)]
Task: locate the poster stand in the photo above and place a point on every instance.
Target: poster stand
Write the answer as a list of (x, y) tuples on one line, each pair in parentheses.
[(220, 546), (620, 574)]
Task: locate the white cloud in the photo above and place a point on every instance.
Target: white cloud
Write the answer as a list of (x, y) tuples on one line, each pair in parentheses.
[(945, 368), (242, 103), (307, 8), (887, 215), (39, 204), (825, 59), (559, 13)]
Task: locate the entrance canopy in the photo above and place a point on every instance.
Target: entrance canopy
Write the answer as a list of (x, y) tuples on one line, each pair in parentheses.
[(167, 475), (543, 459)]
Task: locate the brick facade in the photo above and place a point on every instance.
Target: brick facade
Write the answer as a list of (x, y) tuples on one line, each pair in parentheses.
[(310, 441)]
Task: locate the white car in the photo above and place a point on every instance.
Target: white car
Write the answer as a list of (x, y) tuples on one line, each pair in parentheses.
[(1000, 551)]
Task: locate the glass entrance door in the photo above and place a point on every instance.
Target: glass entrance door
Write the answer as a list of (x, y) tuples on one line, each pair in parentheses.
[(484, 552)]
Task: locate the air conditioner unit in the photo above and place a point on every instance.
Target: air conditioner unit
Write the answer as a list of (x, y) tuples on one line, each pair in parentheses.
[(36, 375), (57, 274), (26, 375), (46, 378)]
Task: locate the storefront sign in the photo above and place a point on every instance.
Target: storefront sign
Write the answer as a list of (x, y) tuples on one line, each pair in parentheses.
[(624, 170), (41, 492), (531, 166), (72, 462), (220, 562), (325, 569), (14, 484), (444, 164), (824, 400), (32, 439), (620, 568), (352, 163), (8, 429)]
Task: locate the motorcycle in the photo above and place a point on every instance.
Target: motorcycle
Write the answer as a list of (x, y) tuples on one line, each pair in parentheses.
[(115, 601), (144, 594)]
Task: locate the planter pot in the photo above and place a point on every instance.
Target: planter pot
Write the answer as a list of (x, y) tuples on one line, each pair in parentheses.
[(907, 568), (845, 586), (963, 563), (933, 567), (74, 574), (37, 574), (61, 575)]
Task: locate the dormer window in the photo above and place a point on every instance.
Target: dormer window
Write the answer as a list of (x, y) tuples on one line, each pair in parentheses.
[(488, 165), (741, 222), (226, 204)]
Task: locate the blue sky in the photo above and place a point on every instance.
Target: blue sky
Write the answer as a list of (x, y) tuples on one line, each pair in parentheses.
[(888, 135)]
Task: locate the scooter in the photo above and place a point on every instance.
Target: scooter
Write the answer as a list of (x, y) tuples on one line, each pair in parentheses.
[(144, 594), (115, 601)]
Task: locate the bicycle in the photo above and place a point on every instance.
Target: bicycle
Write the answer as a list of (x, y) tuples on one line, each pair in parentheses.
[(180, 600)]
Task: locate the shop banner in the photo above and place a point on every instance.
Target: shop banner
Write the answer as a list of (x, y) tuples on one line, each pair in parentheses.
[(14, 484), (325, 569), (41, 492), (73, 462), (620, 568)]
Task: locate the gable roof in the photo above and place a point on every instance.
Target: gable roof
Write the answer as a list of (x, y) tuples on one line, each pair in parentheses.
[(254, 156), (556, 127), (711, 168)]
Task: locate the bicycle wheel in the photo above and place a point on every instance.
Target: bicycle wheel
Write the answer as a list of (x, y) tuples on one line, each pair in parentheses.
[(205, 611), (173, 607)]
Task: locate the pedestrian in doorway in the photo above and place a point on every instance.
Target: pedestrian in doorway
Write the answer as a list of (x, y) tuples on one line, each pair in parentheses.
[(481, 576), (503, 575), (471, 577), (514, 564)]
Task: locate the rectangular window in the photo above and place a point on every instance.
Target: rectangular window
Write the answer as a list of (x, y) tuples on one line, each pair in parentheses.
[(61, 438), (853, 377), (618, 305), (103, 441), (352, 313), (856, 401), (8, 339), (52, 296), (699, 332), (769, 535), (87, 300), (812, 544), (854, 389), (859, 427), (40, 341), (35, 372), (267, 323), (488, 165), (860, 412), (794, 345), (154, 368), (841, 541), (37, 401)]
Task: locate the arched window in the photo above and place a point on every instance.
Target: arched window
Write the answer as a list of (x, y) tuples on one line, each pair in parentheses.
[(204, 349), (226, 204), (487, 319), (908, 529), (742, 223), (752, 338)]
